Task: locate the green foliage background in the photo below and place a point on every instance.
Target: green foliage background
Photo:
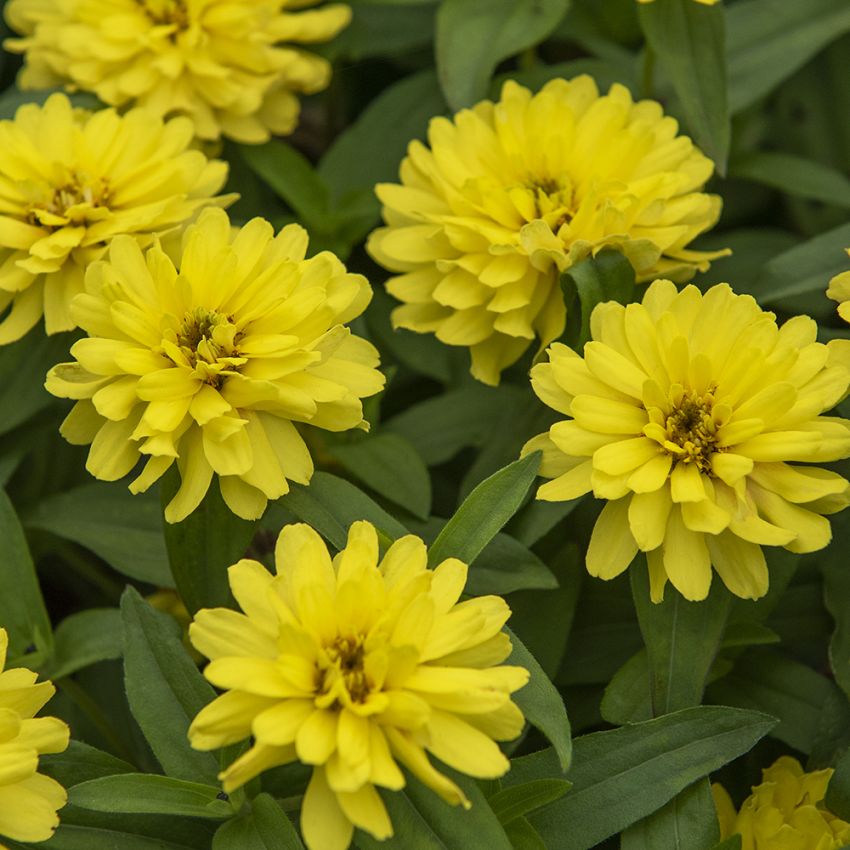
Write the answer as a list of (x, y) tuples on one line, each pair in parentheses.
[(659, 697)]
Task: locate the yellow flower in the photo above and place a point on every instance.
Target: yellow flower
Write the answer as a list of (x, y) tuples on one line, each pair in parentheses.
[(783, 813), (28, 799), (210, 365), (221, 62), (351, 666), (839, 290), (686, 411), (511, 194), (72, 181)]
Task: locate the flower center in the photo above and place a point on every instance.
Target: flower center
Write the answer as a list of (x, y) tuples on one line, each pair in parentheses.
[(346, 656), (691, 429), (76, 198), (167, 12), (554, 200), (208, 341)]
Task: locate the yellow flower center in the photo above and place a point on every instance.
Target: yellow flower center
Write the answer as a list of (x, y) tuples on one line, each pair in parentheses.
[(75, 197), (346, 669), (167, 12), (691, 428), (554, 200), (208, 341)]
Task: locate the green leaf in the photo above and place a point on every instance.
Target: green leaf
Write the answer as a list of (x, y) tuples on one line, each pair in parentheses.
[(731, 843), (768, 40), (608, 276), (795, 175), (80, 763), (688, 40), (202, 546), (440, 427), (292, 177), (473, 36), (384, 128), (85, 638), (508, 804), (23, 365), (391, 467), (623, 775), (485, 511), (70, 837), (384, 29), (627, 698), (22, 611), (534, 521), (687, 822), (524, 836), (423, 821), (332, 504), (682, 639), (836, 586), (837, 798), (541, 703), (266, 827), (767, 681), (505, 566), (141, 793), (805, 268), (123, 529), (164, 689)]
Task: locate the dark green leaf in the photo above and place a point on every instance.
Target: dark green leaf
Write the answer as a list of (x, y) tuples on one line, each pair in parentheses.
[(202, 546), (485, 511), (473, 36), (538, 518), (608, 276), (140, 793), (627, 698), (681, 638), (837, 798), (505, 566), (292, 177), (164, 689), (519, 800), (391, 467), (331, 504), (541, 703), (80, 763), (398, 115), (658, 758), (688, 40), (768, 40), (22, 611), (524, 836), (687, 822), (793, 692), (69, 837), (85, 638), (795, 175), (266, 827), (836, 579), (123, 529), (384, 29)]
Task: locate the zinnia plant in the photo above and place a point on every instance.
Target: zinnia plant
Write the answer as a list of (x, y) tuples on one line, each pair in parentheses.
[(210, 363), (355, 666)]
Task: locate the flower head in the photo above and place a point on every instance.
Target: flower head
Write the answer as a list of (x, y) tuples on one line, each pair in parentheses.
[(785, 812), (351, 666), (511, 194), (687, 413), (28, 799), (210, 363), (221, 62), (73, 181)]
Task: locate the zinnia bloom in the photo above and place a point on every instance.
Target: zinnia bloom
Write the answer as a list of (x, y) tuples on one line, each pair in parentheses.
[(839, 290), (221, 62), (687, 413), (70, 182), (351, 666), (210, 363), (511, 194), (785, 812), (29, 800)]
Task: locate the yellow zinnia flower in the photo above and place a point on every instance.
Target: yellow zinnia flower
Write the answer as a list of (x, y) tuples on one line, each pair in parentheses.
[(685, 411), (839, 290), (353, 665), (511, 194), (785, 812), (29, 800), (221, 62), (71, 182), (210, 364)]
